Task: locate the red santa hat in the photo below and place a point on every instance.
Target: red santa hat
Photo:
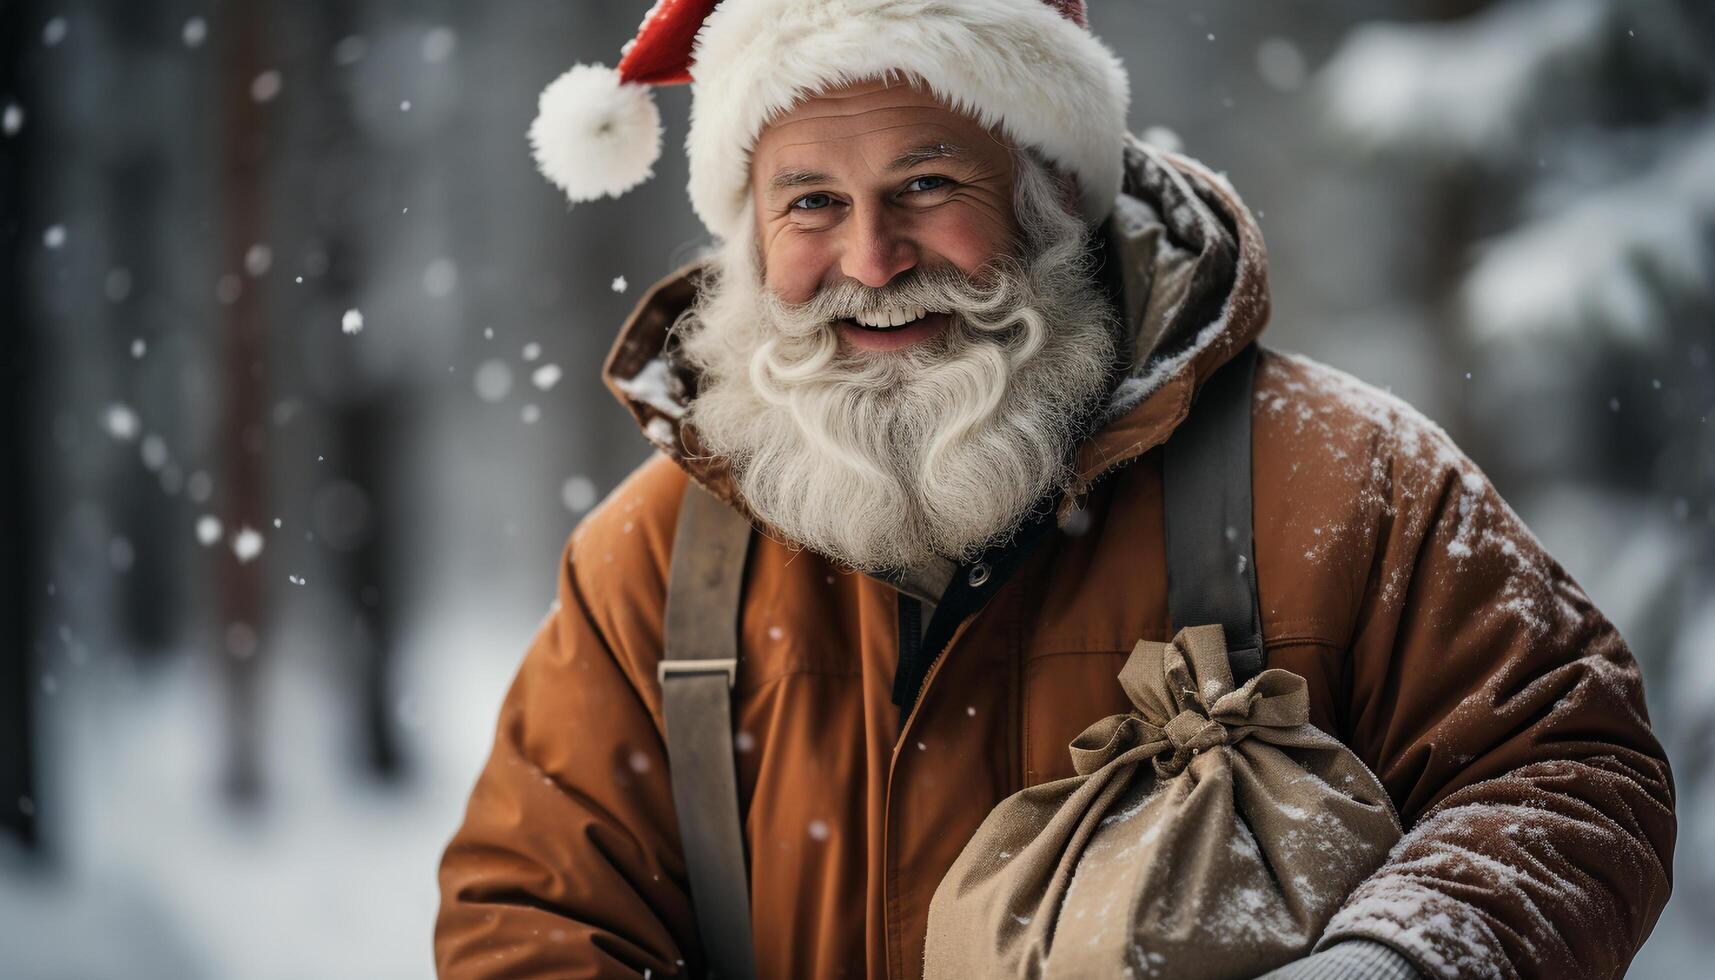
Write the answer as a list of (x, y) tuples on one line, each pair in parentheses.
[(1029, 67)]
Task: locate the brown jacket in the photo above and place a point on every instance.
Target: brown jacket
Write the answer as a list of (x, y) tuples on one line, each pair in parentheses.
[(1502, 712)]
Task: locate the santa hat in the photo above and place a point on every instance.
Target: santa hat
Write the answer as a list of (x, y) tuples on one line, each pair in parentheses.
[(1030, 67)]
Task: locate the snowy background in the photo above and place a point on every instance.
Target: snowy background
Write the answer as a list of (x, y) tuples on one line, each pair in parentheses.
[(302, 399)]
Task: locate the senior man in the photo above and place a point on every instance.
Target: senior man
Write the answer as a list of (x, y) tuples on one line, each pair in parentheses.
[(953, 317)]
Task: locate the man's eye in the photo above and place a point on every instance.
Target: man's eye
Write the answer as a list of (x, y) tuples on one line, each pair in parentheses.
[(812, 202), (933, 183)]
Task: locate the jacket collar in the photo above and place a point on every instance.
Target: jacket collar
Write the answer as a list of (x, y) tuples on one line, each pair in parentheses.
[(1184, 260)]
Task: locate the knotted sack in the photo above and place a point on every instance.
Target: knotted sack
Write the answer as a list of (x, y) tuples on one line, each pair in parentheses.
[(1210, 833)]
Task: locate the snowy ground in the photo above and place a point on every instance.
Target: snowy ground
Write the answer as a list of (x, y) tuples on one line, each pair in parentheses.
[(332, 877)]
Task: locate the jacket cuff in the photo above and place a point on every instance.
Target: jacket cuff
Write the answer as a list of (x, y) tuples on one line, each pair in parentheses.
[(1354, 959)]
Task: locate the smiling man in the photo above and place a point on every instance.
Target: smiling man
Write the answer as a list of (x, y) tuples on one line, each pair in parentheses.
[(920, 414), (899, 357)]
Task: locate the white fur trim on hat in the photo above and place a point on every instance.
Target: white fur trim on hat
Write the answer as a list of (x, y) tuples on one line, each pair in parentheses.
[(595, 135), (1016, 64)]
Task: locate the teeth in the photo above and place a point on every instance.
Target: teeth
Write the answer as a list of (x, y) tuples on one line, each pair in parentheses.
[(896, 317)]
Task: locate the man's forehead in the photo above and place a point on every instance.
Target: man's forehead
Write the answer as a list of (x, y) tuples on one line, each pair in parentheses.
[(886, 119)]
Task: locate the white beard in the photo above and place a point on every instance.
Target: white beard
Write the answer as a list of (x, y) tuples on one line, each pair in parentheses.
[(882, 461)]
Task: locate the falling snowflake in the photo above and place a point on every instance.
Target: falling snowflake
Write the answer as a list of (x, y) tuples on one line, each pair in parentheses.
[(546, 376), (12, 119), (619, 284), (264, 87), (493, 380), (440, 278), (54, 236), (352, 321), (438, 44), (1281, 64), (208, 530), (350, 50), (117, 285), (247, 544), (531, 414), (139, 347), (258, 259), (54, 31), (194, 32), (122, 423), (578, 494), (818, 830), (532, 351), (1163, 138), (154, 451)]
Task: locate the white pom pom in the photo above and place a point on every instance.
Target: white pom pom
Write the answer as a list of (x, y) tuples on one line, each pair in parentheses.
[(594, 135)]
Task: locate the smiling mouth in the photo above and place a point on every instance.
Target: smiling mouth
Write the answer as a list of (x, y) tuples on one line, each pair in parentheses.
[(888, 321)]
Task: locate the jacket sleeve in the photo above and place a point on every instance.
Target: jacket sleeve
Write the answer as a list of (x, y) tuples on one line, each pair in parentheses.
[(568, 861), (1506, 718)]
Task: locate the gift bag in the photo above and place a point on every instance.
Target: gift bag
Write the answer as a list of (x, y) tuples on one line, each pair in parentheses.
[(1210, 833)]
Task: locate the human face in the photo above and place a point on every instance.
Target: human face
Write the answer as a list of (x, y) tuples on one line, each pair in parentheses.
[(884, 461), (869, 180)]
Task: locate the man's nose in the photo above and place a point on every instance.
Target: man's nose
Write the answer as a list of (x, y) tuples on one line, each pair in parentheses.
[(878, 248)]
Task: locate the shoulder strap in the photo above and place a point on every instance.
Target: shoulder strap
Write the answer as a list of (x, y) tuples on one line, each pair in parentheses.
[(697, 672), (1211, 578), (1206, 476)]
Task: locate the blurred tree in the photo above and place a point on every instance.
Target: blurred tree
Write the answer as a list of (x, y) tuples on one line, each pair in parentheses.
[(1573, 144), (1576, 139), (18, 544), (350, 510), (242, 434)]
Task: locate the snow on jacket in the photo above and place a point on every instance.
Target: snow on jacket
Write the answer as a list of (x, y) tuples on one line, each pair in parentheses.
[(1502, 712)]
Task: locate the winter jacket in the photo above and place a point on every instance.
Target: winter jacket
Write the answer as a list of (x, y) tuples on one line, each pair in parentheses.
[(1503, 714)]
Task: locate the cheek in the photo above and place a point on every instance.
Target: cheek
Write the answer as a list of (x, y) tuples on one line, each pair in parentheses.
[(795, 266), (967, 238)]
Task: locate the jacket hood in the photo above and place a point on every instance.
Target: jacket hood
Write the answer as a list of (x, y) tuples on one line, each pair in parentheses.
[(1183, 259)]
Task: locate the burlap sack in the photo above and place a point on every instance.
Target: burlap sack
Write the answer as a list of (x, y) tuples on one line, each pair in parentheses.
[(1211, 833)]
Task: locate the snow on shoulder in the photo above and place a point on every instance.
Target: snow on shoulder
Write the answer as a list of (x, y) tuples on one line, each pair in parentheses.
[(1400, 466)]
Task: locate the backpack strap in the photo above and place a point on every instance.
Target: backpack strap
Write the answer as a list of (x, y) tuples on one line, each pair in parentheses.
[(1206, 477), (697, 672)]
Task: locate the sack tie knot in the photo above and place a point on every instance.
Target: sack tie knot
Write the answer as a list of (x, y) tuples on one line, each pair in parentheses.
[(1189, 733)]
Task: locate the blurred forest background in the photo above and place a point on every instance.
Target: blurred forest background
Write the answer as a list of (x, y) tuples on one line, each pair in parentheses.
[(301, 399)]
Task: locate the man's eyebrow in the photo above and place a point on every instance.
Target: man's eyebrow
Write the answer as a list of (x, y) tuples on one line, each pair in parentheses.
[(791, 177), (924, 153)]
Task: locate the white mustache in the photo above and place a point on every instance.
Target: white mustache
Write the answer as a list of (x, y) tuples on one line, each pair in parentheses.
[(918, 292)]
